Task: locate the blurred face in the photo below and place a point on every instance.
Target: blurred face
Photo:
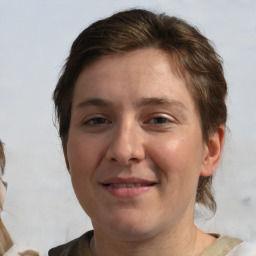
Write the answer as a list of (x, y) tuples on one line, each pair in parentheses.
[(135, 149)]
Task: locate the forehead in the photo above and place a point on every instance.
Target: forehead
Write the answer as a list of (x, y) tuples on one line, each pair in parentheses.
[(151, 58), (144, 66)]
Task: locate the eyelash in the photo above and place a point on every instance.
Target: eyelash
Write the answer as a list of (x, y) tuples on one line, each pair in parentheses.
[(159, 120), (95, 121)]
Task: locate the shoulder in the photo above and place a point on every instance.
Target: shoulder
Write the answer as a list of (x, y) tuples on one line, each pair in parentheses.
[(222, 246), (76, 247)]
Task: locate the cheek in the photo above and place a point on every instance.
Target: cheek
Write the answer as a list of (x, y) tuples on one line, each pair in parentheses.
[(84, 157), (83, 154), (179, 158)]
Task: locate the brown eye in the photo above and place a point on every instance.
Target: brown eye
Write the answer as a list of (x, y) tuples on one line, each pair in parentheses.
[(159, 120), (96, 121)]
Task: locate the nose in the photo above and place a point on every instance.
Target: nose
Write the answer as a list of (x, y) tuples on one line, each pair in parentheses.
[(126, 146)]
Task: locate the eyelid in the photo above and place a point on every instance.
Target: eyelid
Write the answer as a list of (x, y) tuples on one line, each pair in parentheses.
[(163, 119), (92, 117), (169, 118)]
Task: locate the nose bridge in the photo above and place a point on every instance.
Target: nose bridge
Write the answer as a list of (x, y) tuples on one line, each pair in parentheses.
[(126, 143)]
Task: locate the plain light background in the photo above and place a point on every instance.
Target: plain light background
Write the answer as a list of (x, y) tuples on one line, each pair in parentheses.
[(35, 37)]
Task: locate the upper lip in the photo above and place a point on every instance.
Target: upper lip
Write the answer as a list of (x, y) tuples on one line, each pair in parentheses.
[(131, 180)]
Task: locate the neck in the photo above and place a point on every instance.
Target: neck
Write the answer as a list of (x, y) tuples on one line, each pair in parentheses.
[(178, 241)]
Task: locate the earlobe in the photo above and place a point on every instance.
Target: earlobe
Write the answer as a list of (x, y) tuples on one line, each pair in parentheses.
[(213, 152)]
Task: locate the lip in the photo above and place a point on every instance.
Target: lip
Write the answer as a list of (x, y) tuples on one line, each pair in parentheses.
[(123, 187)]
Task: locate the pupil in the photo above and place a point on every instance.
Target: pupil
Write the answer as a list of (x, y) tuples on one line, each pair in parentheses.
[(99, 120), (160, 120)]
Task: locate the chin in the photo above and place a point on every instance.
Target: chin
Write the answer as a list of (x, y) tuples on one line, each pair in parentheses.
[(130, 227)]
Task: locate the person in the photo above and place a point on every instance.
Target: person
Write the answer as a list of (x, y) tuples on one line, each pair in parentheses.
[(7, 247), (141, 111)]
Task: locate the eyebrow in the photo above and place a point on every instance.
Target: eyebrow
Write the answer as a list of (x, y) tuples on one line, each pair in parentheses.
[(160, 101), (95, 102)]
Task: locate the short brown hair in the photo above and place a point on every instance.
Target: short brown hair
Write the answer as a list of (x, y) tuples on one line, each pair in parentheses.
[(195, 59)]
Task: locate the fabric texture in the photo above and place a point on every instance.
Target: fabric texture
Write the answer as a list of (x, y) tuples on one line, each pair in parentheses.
[(77, 247), (80, 247), (221, 246)]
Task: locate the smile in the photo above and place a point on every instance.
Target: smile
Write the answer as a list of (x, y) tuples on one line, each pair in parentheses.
[(127, 188), (132, 185)]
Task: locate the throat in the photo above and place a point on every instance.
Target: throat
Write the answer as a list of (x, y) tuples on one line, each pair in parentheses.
[(162, 245)]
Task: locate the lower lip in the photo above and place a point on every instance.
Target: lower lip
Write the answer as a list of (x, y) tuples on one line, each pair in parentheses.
[(127, 192)]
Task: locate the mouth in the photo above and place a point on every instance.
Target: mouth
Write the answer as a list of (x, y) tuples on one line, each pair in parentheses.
[(127, 188), (129, 185)]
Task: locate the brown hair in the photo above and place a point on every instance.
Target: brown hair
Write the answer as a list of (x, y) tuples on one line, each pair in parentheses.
[(195, 59)]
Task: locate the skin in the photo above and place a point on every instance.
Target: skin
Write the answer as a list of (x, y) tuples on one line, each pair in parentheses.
[(132, 117)]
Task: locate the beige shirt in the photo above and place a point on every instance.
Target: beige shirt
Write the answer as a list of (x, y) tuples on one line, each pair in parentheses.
[(221, 246), (80, 247)]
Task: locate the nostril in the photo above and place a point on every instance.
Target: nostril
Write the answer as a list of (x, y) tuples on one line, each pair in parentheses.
[(113, 159)]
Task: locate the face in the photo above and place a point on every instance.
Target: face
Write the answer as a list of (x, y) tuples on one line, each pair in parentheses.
[(135, 149)]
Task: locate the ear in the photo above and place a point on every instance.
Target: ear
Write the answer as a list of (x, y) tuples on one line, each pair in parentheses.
[(66, 156), (213, 151)]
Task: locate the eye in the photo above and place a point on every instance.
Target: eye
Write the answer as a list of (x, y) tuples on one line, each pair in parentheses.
[(159, 120), (96, 121)]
